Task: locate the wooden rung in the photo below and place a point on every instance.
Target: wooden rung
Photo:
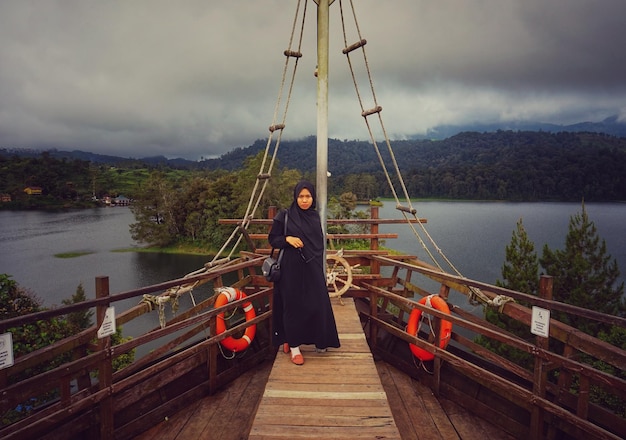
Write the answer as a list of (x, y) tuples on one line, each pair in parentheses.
[(354, 46), (405, 209), (262, 236), (366, 113), (263, 176), (275, 127), (360, 236), (292, 53)]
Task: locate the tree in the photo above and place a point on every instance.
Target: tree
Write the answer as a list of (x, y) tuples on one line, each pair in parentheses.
[(519, 272), (348, 203), (15, 301), (585, 275), (521, 268), (154, 212), (82, 319)]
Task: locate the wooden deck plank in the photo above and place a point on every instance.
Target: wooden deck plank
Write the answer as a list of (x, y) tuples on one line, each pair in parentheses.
[(337, 394), (411, 406), (224, 415), (470, 427), (418, 406)]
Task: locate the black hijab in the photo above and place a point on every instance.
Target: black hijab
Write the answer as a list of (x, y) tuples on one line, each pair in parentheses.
[(306, 224)]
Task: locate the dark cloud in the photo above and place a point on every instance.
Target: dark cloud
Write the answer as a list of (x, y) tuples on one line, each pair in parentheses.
[(194, 78)]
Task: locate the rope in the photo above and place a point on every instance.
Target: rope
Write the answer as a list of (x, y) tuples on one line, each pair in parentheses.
[(271, 147), (498, 302), (266, 167), (159, 301), (428, 242)]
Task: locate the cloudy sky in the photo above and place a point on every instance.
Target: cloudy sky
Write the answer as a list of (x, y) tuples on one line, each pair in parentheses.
[(197, 78)]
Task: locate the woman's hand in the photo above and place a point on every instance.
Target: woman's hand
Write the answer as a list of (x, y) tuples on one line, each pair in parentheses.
[(294, 241)]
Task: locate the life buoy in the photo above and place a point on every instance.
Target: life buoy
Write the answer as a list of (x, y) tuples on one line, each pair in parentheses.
[(228, 294), (433, 301)]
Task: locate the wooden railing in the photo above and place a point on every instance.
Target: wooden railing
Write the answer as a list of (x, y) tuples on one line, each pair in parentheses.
[(550, 400), (540, 402), (87, 399)]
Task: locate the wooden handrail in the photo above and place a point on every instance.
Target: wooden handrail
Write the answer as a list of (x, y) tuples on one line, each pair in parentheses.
[(338, 236), (330, 221)]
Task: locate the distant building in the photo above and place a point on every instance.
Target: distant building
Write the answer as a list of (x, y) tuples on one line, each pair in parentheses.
[(4, 197), (121, 201), (33, 190)]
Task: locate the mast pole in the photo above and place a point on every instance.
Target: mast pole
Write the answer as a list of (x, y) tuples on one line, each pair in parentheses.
[(323, 7)]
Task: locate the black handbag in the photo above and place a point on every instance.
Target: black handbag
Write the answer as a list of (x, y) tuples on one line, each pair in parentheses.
[(271, 265)]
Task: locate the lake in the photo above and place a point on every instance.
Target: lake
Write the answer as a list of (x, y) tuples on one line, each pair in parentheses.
[(31, 239), (473, 235)]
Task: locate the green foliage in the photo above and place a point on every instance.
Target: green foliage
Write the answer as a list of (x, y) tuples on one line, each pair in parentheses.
[(585, 275), (521, 267), (15, 301), (519, 272), (123, 360), (154, 210), (615, 336), (187, 209), (82, 319), (504, 165)]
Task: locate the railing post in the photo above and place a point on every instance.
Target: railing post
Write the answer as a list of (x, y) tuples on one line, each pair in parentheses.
[(374, 265), (373, 333), (105, 368), (271, 213), (540, 375), (212, 357), (271, 350)]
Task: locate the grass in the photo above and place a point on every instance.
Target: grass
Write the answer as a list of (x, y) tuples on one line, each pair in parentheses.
[(176, 249), (72, 254)]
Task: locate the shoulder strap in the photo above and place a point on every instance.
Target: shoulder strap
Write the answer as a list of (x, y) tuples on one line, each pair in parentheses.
[(286, 219), (280, 254)]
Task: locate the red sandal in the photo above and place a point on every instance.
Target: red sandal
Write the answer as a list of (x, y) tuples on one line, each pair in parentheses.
[(297, 359)]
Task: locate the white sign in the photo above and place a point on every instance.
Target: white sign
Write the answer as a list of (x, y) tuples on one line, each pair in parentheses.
[(6, 350), (108, 324), (540, 322)]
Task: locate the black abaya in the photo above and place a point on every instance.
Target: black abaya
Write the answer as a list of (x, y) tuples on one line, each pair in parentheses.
[(302, 310)]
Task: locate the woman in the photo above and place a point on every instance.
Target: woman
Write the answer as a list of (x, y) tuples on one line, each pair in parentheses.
[(302, 311)]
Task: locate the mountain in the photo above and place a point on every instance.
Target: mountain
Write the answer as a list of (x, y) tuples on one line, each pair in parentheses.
[(610, 125), (352, 156)]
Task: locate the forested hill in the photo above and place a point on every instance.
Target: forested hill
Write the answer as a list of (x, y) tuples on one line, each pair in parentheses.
[(464, 149), (509, 165)]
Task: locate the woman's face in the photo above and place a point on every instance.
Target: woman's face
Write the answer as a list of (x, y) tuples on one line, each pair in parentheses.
[(304, 199)]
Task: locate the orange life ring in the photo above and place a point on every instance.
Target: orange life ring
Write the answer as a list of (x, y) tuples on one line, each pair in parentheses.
[(228, 294), (412, 327)]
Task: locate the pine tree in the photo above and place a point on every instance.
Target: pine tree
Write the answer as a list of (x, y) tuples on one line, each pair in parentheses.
[(585, 275), (519, 272), (521, 268), (82, 319)]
